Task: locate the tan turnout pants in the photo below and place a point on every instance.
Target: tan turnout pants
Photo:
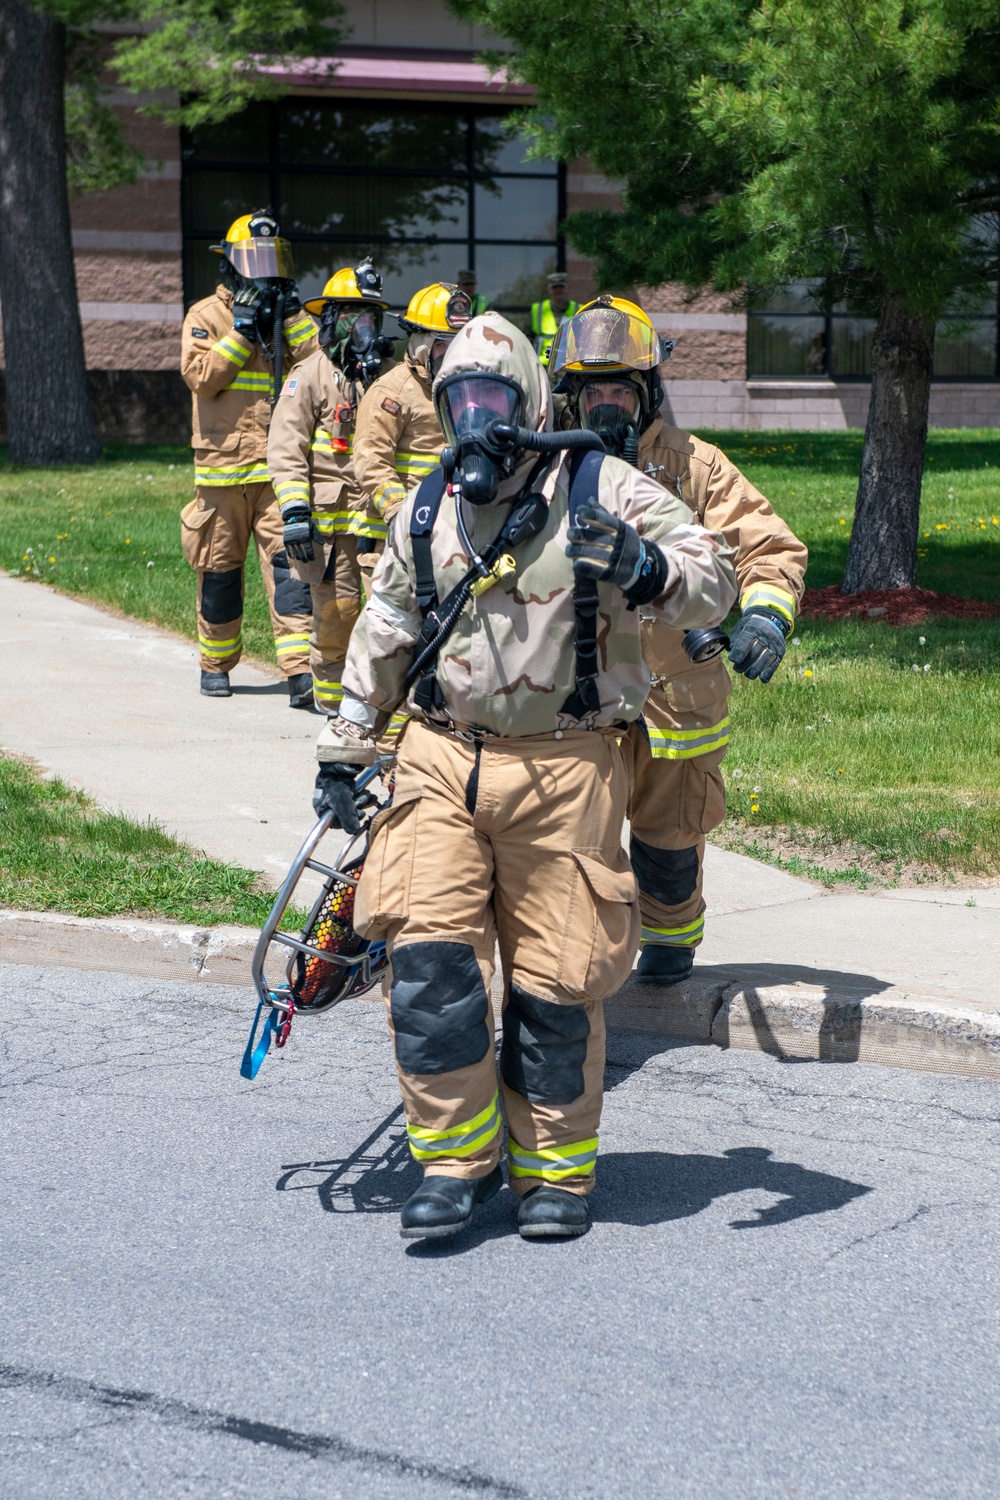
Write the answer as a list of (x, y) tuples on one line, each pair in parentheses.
[(338, 578), (216, 530), (515, 842), (678, 794)]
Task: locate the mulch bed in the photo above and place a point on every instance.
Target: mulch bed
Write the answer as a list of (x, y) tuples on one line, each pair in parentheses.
[(894, 606)]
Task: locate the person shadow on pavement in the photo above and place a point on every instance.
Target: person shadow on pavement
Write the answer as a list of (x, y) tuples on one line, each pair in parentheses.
[(637, 1188), (654, 1187)]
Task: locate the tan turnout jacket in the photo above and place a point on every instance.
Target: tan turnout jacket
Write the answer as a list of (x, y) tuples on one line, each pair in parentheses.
[(231, 385), (397, 436), (310, 448), (510, 663), (770, 561)]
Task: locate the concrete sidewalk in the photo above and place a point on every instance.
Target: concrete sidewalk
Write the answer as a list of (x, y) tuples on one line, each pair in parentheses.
[(113, 706)]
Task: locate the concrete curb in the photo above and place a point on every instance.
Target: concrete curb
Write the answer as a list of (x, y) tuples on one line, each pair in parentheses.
[(155, 950), (893, 1027)]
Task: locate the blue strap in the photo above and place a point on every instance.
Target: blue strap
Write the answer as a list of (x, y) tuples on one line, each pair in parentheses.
[(254, 1056)]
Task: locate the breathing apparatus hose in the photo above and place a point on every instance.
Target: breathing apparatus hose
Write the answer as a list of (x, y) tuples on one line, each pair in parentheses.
[(505, 437), (279, 341)]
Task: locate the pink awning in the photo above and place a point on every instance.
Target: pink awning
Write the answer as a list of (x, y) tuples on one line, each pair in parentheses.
[(402, 73)]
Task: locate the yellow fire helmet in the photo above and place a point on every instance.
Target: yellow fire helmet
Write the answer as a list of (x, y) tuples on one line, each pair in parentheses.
[(609, 333), (255, 249), (442, 309), (363, 285)]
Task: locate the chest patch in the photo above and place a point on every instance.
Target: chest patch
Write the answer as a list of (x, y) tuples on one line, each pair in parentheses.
[(389, 405), (199, 333)]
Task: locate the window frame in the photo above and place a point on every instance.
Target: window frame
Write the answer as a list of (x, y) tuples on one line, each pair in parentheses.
[(466, 245), (830, 318)]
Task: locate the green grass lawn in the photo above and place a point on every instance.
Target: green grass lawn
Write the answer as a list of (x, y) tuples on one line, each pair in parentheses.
[(59, 852), (863, 765)]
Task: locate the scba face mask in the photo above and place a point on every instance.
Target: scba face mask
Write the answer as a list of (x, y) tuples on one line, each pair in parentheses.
[(614, 409), (467, 405), (352, 335)]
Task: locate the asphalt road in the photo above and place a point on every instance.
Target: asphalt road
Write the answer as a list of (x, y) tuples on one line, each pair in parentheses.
[(791, 1287)]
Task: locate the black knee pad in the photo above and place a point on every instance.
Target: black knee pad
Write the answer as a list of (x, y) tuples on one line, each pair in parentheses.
[(544, 1048), (291, 595), (222, 596), (439, 1008), (668, 875)]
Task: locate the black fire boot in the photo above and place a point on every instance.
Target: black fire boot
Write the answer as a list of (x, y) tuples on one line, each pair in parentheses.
[(660, 963), (444, 1205), (216, 685), (300, 690), (550, 1213)]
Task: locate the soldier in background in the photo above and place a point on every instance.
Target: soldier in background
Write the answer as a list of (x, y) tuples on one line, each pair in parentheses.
[(547, 317)]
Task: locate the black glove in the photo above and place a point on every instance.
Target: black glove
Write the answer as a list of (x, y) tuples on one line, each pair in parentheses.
[(757, 643), (292, 304), (246, 310), (605, 547), (297, 531), (335, 793)]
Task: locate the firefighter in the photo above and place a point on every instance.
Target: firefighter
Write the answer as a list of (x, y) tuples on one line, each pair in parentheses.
[(607, 361), (466, 282), (330, 535), (230, 355), (511, 779), (397, 434), (547, 317)]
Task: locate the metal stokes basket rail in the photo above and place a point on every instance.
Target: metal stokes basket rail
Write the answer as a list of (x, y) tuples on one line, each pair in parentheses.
[(328, 962)]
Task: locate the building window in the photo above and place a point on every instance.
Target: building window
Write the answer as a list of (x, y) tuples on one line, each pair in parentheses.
[(427, 189), (789, 338)]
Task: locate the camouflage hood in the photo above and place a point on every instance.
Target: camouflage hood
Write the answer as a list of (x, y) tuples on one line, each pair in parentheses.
[(491, 344)]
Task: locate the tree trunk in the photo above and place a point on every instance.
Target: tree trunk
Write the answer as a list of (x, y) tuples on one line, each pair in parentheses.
[(48, 410), (883, 548)]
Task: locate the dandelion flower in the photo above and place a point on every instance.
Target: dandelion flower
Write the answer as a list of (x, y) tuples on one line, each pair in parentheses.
[(808, 672), (921, 640), (915, 667), (927, 666), (796, 641), (756, 792), (51, 559), (150, 564), (128, 541)]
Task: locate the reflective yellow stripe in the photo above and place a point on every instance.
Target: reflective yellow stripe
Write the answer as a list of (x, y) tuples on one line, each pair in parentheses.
[(552, 1163), (253, 380), (219, 648), (231, 350), (387, 493), (285, 645), (327, 692), (323, 443), (771, 597), (676, 937), (291, 489), (685, 744), (299, 332), (361, 526), (415, 463), (254, 473), (465, 1139)]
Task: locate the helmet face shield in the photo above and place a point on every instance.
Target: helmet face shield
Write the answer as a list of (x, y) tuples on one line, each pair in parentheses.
[(601, 336), (261, 259), (468, 401), (609, 403)]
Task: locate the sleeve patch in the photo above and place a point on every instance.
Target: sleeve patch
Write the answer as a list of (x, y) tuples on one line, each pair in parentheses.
[(389, 405), (291, 385), (199, 333)]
